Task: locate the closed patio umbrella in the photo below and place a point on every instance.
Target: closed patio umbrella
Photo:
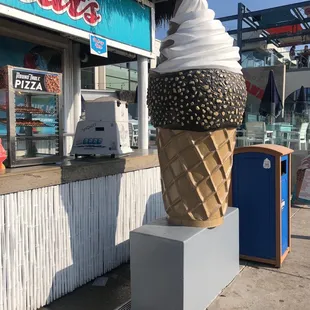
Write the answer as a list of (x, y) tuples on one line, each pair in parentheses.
[(301, 102), (271, 103)]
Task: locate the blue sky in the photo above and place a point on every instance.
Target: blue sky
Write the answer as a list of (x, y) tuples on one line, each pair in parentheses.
[(229, 7)]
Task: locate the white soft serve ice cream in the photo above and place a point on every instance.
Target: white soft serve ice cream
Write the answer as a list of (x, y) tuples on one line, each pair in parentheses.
[(200, 42)]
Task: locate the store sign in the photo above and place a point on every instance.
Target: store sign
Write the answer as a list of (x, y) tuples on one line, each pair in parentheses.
[(98, 46), (76, 9), (36, 82), (123, 21)]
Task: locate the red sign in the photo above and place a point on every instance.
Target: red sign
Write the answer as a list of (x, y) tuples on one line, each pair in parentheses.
[(76, 9), (254, 90), (307, 10)]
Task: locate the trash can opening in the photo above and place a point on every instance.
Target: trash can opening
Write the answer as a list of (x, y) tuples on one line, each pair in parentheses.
[(283, 167)]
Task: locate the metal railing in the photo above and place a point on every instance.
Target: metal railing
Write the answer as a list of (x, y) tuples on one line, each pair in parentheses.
[(271, 58), (298, 62)]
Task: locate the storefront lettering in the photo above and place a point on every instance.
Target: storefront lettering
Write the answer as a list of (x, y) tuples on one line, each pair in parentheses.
[(27, 82), (254, 90), (99, 44), (28, 85), (76, 9)]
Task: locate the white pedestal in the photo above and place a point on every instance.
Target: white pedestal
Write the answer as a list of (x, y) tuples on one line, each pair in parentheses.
[(182, 268)]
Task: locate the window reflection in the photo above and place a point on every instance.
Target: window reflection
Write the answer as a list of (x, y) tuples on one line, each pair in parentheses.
[(290, 128)]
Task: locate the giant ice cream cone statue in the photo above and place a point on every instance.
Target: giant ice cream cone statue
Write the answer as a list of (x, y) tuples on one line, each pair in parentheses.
[(196, 100)]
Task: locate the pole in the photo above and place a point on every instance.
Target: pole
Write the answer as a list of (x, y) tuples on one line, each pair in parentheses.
[(273, 113), (143, 115), (293, 112), (272, 58), (77, 83), (129, 76), (239, 28)]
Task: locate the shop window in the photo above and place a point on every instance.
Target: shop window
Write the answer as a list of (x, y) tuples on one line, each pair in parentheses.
[(88, 78), (25, 54), (122, 76), (133, 66), (297, 112)]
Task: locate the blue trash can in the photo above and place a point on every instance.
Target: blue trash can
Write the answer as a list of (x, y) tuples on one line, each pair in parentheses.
[(261, 190)]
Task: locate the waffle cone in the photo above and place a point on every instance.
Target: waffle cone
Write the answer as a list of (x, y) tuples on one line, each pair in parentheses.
[(196, 175)]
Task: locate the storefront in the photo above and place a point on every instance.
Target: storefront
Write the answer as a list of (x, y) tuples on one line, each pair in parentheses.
[(63, 44), (115, 77), (63, 225)]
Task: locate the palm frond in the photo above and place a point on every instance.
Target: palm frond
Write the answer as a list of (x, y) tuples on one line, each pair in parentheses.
[(164, 11)]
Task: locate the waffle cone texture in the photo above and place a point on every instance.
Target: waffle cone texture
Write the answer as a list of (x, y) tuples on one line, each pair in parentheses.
[(196, 175)]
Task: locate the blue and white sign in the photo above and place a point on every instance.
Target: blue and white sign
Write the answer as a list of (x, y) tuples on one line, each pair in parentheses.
[(98, 46), (123, 21)]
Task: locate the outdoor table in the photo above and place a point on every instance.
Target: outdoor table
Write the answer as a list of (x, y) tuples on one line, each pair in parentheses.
[(243, 139), (285, 131), (279, 129)]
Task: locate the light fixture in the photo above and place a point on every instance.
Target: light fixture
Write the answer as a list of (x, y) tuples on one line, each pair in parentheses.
[(84, 57)]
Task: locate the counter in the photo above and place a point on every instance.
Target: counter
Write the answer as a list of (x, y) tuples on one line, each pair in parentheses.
[(62, 226), (73, 170)]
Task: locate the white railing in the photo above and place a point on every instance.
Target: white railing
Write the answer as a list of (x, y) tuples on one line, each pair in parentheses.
[(249, 59), (300, 62)]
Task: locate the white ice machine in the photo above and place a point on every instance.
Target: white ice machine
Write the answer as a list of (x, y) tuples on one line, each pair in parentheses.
[(104, 131)]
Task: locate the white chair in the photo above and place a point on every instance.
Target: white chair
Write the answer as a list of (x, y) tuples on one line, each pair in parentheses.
[(256, 133), (152, 133), (242, 139), (299, 137), (133, 133)]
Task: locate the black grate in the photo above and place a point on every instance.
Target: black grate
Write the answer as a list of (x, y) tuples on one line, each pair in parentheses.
[(125, 306)]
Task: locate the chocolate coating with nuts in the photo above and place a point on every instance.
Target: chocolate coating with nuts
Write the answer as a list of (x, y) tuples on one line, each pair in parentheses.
[(197, 100)]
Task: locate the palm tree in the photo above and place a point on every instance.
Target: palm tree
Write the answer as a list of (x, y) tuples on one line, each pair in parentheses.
[(164, 10)]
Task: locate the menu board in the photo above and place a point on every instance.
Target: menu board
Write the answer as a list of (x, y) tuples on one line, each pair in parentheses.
[(305, 186), (34, 81)]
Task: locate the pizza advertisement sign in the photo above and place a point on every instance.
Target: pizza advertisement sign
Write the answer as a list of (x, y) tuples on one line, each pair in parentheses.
[(34, 81)]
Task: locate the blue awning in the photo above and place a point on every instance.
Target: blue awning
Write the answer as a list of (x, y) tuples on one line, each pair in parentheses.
[(276, 17)]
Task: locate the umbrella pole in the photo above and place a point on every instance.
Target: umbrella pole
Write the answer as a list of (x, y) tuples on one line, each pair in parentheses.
[(273, 113)]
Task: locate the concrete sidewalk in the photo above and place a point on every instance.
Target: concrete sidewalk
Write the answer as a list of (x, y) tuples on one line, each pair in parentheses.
[(260, 287), (257, 286)]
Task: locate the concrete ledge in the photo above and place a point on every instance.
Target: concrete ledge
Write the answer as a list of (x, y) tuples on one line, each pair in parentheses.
[(22, 179), (70, 170), (182, 268), (81, 169)]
